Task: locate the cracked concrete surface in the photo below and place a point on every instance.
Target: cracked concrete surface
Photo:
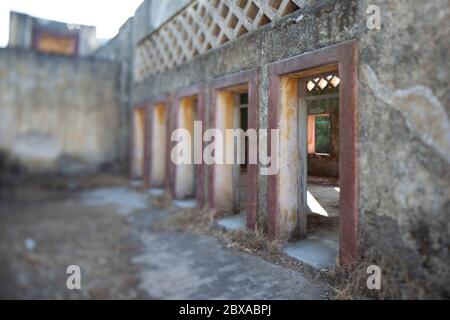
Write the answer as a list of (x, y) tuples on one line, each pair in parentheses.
[(191, 266), (110, 232), (186, 265), (424, 114)]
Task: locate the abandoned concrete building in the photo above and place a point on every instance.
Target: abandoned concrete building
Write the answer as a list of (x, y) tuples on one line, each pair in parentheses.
[(363, 148)]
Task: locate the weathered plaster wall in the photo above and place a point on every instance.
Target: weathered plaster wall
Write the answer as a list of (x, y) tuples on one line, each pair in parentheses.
[(403, 117), (405, 138), (57, 113)]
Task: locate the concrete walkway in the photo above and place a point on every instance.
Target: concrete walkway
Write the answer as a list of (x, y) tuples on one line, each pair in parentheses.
[(110, 233), (184, 265)]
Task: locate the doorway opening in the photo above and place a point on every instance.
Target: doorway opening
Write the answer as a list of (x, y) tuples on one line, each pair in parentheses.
[(138, 146), (318, 173), (287, 191)]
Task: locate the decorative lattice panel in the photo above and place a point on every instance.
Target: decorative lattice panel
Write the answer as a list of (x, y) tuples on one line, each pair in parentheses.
[(202, 26), (323, 83)]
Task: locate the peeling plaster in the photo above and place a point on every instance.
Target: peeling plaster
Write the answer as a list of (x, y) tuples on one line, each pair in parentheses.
[(424, 114)]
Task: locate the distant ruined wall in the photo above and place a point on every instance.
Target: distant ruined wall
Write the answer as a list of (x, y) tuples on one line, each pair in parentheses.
[(120, 50), (58, 114), (27, 32)]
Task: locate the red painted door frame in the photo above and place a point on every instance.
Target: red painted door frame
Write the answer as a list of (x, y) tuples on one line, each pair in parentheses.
[(345, 57)]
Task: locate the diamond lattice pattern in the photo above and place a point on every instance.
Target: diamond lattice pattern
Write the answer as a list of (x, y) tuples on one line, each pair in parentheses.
[(202, 26)]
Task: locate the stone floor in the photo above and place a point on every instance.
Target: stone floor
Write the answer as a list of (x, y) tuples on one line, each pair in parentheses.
[(233, 222), (185, 265), (185, 203), (110, 232), (323, 200), (319, 249)]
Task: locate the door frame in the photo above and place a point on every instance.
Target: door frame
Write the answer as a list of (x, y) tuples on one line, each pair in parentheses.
[(343, 56)]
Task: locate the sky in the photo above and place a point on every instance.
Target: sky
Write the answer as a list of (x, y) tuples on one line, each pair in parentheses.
[(107, 15)]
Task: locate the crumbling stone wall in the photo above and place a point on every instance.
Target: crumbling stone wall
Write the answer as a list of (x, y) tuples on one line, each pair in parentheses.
[(57, 113), (403, 121), (405, 141)]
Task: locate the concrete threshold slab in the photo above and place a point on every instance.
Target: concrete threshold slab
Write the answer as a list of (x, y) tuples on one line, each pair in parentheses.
[(136, 183), (235, 222), (185, 204), (318, 251), (156, 191)]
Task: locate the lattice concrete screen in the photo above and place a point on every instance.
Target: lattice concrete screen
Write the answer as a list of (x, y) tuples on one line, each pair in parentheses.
[(202, 26), (321, 83)]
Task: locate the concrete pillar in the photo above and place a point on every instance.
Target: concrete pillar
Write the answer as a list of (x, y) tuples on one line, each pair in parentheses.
[(184, 179), (158, 146), (223, 173), (287, 184), (138, 142)]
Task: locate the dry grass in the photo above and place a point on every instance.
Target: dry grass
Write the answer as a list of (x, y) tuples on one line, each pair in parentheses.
[(162, 201), (350, 283), (188, 219), (397, 281), (254, 243), (347, 284)]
